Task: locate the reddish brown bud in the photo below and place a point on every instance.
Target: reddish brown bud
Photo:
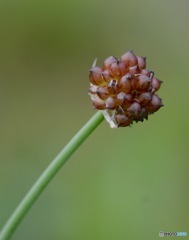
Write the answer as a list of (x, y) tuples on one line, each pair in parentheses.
[(95, 76), (123, 120), (125, 83), (120, 98), (124, 99), (143, 115), (108, 62), (102, 93), (143, 82), (106, 75), (110, 103), (134, 110), (129, 59), (141, 62), (156, 83), (118, 68), (98, 103), (154, 104), (144, 98)]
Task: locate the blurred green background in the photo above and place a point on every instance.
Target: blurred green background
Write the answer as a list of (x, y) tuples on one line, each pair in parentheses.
[(127, 183)]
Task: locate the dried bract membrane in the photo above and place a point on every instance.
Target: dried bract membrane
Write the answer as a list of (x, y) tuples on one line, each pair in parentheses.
[(124, 90)]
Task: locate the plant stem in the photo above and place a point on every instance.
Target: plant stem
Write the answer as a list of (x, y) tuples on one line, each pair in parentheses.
[(38, 187)]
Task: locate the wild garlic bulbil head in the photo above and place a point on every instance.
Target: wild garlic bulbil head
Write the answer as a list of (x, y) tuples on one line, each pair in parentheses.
[(124, 90)]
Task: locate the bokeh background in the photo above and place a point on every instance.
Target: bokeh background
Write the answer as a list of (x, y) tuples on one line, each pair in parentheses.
[(127, 183)]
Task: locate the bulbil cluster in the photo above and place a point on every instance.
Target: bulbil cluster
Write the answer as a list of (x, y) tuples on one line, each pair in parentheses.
[(124, 90)]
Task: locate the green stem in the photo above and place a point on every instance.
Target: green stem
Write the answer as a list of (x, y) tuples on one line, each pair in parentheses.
[(47, 175)]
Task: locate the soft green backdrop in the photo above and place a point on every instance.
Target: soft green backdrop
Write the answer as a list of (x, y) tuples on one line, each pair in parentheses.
[(127, 183)]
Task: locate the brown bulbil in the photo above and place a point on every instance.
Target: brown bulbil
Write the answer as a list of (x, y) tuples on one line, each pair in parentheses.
[(154, 104), (118, 69), (106, 75), (134, 110), (141, 62), (124, 100), (129, 59), (124, 90), (121, 97), (123, 120), (95, 76), (143, 115), (110, 103), (143, 83), (156, 83), (102, 92), (108, 62), (125, 83), (98, 103), (144, 98)]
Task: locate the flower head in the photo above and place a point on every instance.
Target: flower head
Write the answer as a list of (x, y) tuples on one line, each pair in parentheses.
[(124, 90)]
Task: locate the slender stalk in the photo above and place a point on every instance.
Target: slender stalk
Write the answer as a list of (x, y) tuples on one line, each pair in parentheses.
[(19, 213)]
